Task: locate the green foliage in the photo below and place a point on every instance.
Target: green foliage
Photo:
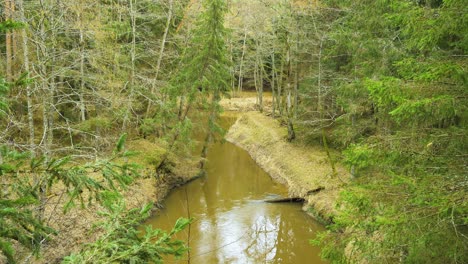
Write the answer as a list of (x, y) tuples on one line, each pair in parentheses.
[(3, 92), (428, 110), (121, 143), (385, 93), (124, 243), (100, 181), (358, 156), (10, 25), (400, 87), (18, 223), (379, 225), (205, 64), (203, 75), (148, 126), (431, 70)]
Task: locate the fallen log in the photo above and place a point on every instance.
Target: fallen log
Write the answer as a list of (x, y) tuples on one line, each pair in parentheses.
[(316, 190), (285, 200)]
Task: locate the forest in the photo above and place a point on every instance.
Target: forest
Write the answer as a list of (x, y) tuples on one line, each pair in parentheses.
[(100, 98)]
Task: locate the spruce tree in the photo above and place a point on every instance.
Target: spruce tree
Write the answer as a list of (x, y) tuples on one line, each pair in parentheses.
[(204, 74)]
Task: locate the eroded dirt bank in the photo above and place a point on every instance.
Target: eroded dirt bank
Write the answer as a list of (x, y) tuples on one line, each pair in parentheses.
[(305, 170)]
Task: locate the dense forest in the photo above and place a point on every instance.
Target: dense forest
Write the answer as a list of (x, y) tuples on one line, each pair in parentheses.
[(383, 82)]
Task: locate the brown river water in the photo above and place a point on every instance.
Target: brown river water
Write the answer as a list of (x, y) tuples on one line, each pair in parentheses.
[(232, 223)]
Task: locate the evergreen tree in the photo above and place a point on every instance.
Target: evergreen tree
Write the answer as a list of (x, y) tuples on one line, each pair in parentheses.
[(124, 243), (204, 73), (401, 99)]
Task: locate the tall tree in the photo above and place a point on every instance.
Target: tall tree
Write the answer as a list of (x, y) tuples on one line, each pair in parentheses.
[(210, 41), (204, 73)]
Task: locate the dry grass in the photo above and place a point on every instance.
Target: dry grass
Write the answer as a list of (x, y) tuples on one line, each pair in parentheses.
[(246, 101), (302, 169)]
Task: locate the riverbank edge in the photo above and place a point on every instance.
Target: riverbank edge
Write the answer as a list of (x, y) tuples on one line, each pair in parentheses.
[(304, 171)]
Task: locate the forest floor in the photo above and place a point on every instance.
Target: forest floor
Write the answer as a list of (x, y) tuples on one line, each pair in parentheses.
[(304, 169)]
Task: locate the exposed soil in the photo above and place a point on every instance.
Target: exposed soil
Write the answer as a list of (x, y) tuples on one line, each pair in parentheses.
[(305, 170)]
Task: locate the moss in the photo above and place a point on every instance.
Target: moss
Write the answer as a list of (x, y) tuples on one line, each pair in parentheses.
[(147, 153)]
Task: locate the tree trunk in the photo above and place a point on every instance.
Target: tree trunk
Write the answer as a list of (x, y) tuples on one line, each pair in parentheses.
[(256, 81), (239, 86), (280, 86), (289, 111), (161, 52), (82, 62), (296, 90), (29, 92), (260, 87), (291, 133), (45, 53), (319, 81), (321, 109), (8, 41), (129, 105), (211, 122), (233, 67), (273, 75)]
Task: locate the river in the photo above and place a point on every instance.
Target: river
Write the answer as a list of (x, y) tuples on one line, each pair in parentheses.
[(232, 223)]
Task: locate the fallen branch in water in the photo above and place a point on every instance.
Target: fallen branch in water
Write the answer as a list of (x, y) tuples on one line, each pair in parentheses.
[(286, 200)]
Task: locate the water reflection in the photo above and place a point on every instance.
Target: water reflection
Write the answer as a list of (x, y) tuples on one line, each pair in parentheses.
[(232, 224)]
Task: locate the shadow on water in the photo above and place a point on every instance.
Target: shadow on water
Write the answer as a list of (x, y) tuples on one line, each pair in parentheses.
[(232, 224)]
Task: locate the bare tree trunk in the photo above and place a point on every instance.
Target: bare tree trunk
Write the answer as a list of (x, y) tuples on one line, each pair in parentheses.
[(8, 41), (289, 114), (161, 50), (321, 109), (82, 62), (260, 88), (47, 87), (280, 86), (241, 64), (32, 146), (319, 82), (4, 189), (256, 80), (273, 76), (132, 67), (45, 55), (233, 67), (291, 133), (14, 44), (296, 90)]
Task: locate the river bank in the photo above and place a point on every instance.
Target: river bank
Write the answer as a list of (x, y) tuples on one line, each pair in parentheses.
[(304, 170), (75, 227), (232, 222)]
